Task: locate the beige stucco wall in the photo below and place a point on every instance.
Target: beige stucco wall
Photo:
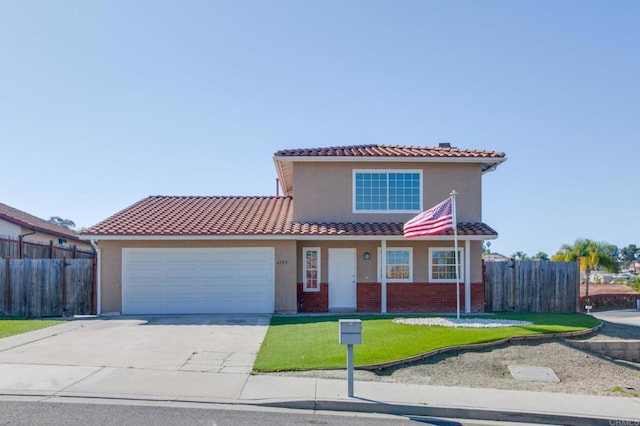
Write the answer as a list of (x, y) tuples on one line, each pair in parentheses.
[(323, 190), (367, 269), (8, 229), (111, 267)]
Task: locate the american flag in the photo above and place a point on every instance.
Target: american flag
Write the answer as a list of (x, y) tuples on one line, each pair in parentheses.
[(431, 222)]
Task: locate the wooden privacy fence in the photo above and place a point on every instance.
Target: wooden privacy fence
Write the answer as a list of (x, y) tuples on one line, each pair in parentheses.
[(532, 286), (47, 287), (18, 248)]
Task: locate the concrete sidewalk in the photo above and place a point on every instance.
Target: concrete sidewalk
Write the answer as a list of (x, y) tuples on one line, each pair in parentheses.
[(622, 316), (314, 394), (156, 382)]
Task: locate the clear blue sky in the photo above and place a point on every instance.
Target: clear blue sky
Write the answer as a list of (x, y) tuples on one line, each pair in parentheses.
[(103, 103)]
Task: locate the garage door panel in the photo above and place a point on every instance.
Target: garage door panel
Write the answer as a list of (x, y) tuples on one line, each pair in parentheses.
[(210, 280)]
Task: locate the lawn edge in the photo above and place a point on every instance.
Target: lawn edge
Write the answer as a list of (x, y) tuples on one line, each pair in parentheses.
[(425, 355)]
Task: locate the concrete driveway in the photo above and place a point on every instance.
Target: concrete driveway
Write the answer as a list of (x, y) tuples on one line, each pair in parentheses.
[(136, 355)]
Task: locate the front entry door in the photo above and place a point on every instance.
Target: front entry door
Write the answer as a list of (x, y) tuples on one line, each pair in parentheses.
[(342, 278)]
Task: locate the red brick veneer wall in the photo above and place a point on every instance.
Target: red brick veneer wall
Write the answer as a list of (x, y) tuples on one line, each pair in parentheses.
[(429, 297), (313, 301), (409, 298), (369, 297)]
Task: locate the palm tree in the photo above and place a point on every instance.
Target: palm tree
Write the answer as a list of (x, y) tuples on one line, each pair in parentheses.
[(591, 255)]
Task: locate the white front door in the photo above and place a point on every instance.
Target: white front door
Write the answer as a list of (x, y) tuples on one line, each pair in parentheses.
[(342, 278)]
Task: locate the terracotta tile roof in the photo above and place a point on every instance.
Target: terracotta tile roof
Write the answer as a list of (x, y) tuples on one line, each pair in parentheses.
[(160, 215), (375, 150), (250, 216), (26, 220), (382, 229)]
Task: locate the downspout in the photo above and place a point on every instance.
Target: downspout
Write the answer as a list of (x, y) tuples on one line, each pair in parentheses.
[(98, 278), (21, 243), (33, 231)]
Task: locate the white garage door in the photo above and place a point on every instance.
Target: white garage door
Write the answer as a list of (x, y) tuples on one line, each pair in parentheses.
[(198, 281)]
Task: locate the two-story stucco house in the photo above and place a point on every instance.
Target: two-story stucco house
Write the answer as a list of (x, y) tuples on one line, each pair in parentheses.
[(317, 248)]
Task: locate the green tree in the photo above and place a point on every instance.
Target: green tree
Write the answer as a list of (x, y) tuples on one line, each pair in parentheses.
[(591, 255), (629, 254), (541, 256), (65, 223), (520, 255)]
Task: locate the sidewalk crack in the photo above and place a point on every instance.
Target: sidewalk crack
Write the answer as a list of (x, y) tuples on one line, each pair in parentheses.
[(56, 393)]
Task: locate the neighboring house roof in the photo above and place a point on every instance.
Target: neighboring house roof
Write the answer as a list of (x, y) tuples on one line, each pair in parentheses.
[(284, 159), (238, 216), (34, 223), (495, 257)]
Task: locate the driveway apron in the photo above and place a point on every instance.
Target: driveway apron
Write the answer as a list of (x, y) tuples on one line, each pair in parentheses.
[(191, 355)]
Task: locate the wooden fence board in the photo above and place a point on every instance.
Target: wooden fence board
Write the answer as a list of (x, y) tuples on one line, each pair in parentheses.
[(3, 287), (79, 282), (10, 247), (36, 287), (532, 286)]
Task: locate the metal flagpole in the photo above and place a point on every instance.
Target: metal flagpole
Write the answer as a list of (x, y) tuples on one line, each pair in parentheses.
[(457, 260)]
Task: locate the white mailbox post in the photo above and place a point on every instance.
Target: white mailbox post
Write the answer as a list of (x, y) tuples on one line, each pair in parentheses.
[(350, 334)]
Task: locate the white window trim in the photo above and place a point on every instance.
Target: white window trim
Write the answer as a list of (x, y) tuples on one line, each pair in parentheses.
[(304, 269), (461, 267), (353, 189), (396, 280)]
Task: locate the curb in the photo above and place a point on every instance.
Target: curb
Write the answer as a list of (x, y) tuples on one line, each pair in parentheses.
[(475, 346), (414, 412), (408, 410)]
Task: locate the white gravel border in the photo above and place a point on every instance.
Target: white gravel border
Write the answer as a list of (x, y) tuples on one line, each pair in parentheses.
[(461, 323)]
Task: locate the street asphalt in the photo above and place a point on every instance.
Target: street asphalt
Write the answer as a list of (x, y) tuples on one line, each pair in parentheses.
[(208, 359)]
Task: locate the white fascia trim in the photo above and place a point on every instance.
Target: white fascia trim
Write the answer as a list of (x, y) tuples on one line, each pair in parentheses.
[(280, 237), (280, 173), (394, 159)]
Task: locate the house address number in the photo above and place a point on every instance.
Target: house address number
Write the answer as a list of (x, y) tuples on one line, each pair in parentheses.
[(281, 262)]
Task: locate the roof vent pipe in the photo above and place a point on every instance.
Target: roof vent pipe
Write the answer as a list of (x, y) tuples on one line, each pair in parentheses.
[(277, 187)]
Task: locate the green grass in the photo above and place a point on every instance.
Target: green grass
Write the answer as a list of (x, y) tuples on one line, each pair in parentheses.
[(13, 326), (311, 342)]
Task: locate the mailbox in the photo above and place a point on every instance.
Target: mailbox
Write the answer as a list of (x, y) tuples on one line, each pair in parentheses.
[(350, 332)]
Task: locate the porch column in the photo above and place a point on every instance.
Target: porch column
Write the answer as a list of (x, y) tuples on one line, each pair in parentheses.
[(467, 276), (383, 275)]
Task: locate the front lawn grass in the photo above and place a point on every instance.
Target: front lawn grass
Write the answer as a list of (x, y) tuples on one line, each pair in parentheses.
[(13, 326), (311, 342)]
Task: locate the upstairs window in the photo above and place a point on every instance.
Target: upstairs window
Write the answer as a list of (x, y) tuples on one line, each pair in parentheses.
[(377, 191)]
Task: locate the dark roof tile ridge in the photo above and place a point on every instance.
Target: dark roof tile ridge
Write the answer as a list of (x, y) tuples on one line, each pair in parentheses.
[(370, 146), (211, 197)]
